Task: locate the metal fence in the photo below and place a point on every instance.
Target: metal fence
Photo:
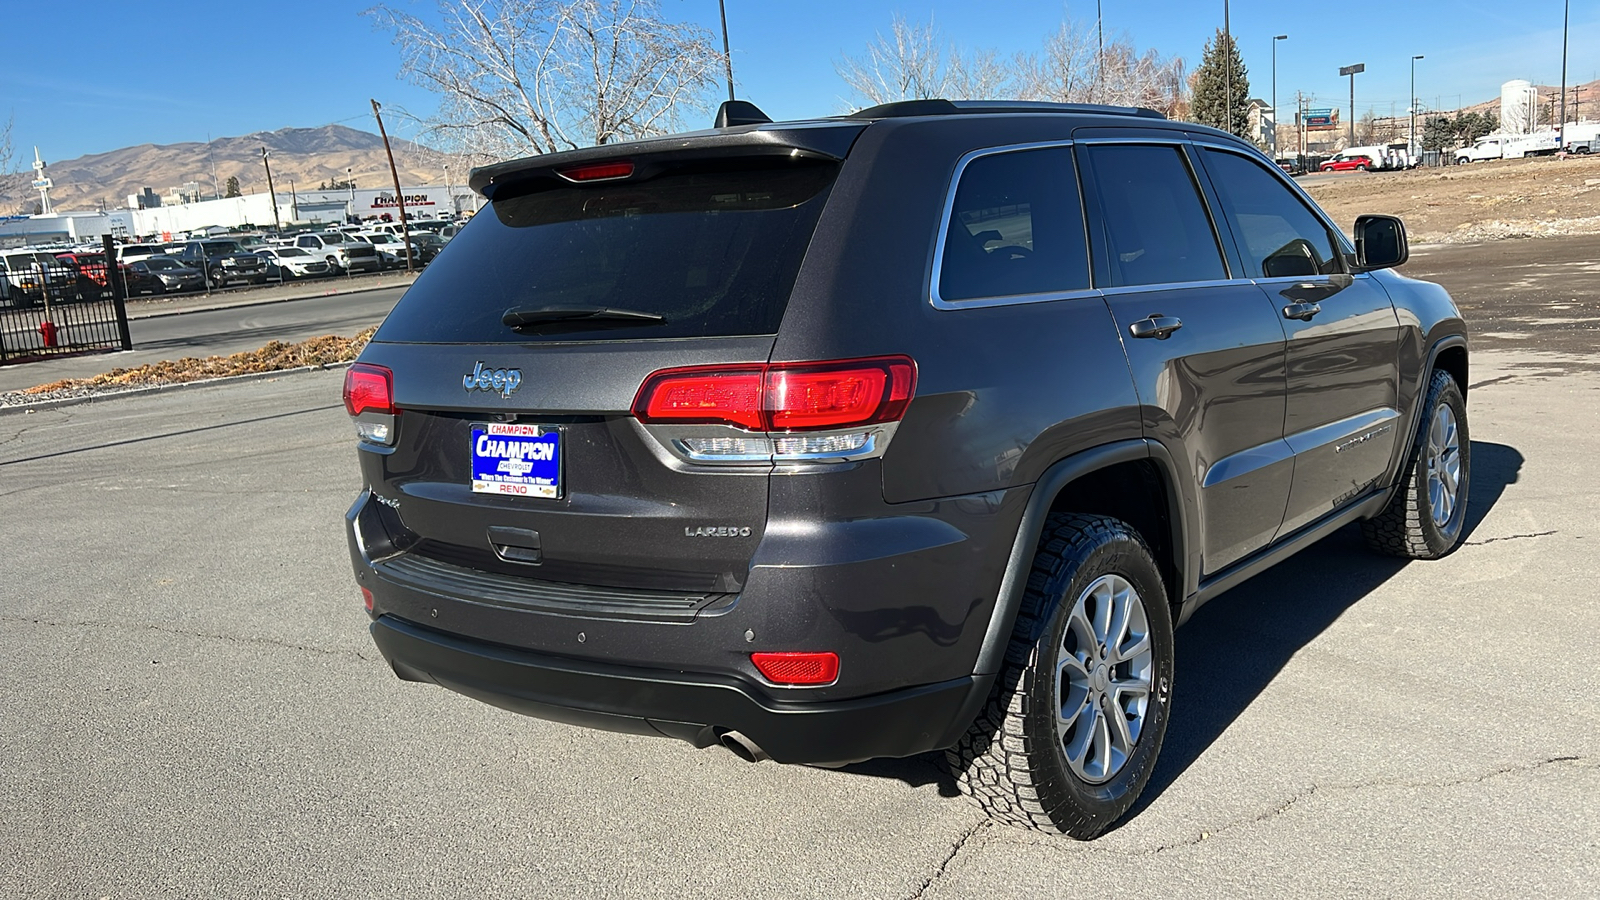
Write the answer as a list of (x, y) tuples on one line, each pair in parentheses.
[(59, 304)]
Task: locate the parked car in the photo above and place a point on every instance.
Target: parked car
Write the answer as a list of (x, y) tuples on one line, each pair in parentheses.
[(174, 276), (1348, 164), (223, 261), (391, 250), (292, 262), (666, 446), (344, 252), (127, 253), (91, 267), (429, 244), (27, 277)]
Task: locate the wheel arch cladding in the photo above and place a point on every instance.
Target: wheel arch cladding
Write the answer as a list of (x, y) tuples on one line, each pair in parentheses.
[(1127, 478)]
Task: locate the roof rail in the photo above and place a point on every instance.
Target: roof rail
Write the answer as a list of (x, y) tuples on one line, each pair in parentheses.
[(936, 107)]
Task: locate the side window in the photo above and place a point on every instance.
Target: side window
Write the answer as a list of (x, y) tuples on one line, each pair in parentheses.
[(1016, 228), (1278, 236), (1155, 224)]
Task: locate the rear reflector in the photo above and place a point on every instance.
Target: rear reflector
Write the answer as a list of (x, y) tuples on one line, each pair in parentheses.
[(797, 668), (366, 597), (605, 171), (368, 388), (781, 397)]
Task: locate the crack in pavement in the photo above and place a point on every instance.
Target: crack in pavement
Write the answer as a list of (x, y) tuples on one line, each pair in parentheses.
[(955, 848), (1509, 537), (1307, 792), (232, 639)]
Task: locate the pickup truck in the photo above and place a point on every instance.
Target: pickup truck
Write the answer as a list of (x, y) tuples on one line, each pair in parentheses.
[(343, 252), (223, 261)]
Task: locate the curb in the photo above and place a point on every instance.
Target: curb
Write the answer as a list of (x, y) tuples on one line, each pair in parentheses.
[(157, 314), (159, 388)]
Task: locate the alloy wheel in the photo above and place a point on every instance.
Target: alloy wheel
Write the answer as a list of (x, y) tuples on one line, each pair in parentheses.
[(1103, 678)]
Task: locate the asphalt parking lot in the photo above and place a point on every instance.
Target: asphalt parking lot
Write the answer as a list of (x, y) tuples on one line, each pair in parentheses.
[(194, 708)]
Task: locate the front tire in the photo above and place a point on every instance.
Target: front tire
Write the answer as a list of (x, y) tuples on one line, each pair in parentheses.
[(1426, 516), (1070, 734)]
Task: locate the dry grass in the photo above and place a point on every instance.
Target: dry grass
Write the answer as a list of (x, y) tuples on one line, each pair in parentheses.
[(1476, 202), (276, 356)]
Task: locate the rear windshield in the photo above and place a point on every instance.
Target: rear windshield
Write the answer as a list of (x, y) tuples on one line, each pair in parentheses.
[(714, 253)]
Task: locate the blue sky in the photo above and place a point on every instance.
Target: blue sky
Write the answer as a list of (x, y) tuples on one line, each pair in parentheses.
[(104, 75)]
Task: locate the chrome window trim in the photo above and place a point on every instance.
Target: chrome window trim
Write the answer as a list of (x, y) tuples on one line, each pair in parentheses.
[(939, 302), (1172, 286)]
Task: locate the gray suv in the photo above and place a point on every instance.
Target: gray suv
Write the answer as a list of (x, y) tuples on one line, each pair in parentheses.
[(917, 429)]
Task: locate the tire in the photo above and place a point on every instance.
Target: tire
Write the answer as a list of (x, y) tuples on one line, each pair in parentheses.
[(214, 277), (1014, 760), (1426, 515)]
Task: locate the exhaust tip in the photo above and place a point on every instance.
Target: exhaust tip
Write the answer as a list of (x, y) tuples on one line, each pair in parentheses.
[(742, 747)]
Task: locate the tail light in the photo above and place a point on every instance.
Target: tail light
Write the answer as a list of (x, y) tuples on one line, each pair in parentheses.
[(797, 668), (813, 410), (369, 399), (781, 397)]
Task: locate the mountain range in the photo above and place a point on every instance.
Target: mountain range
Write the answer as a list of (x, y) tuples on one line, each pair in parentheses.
[(303, 157)]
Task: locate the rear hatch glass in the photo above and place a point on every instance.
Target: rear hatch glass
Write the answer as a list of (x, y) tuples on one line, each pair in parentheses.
[(711, 252)]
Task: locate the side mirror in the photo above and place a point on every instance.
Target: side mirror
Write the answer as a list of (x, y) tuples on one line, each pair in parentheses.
[(1380, 243)]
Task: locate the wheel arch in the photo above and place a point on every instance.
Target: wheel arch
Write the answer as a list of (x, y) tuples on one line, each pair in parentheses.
[(1132, 480)]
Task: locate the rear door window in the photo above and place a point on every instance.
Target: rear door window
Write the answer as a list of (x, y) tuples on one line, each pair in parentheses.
[(1016, 228), (713, 251), (1277, 235), (1154, 223)]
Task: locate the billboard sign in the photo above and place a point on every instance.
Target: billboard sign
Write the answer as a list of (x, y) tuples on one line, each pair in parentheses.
[(1320, 119)]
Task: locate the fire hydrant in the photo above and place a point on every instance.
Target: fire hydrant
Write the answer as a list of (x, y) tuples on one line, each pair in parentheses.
[(47, 330)]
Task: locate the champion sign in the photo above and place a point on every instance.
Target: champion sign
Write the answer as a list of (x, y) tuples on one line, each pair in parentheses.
[(502, 381), (516, 459)]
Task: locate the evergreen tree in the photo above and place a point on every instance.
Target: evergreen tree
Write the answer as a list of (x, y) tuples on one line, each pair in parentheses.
[(232, 190), (1212, 104)]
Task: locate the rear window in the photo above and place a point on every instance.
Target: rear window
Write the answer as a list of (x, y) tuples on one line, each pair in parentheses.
[(714, 253)]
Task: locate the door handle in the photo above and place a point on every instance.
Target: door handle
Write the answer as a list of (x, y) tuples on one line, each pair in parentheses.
[(1301, 311), (1155, 326)]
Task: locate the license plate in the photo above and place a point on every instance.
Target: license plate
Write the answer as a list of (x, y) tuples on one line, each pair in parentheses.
[(523, 460)]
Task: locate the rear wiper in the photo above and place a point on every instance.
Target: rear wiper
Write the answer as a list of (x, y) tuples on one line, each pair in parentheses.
[(568, 317)]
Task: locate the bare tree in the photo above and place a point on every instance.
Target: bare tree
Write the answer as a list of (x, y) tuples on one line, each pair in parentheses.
[(11, 180), (912, 62), (517, 77), (908, 64)]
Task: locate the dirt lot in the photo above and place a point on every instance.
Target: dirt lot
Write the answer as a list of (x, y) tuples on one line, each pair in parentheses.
[(1539, 294), (1476, 202)]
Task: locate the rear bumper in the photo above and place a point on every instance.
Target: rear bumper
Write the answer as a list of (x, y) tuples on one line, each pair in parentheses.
[(693, 707)]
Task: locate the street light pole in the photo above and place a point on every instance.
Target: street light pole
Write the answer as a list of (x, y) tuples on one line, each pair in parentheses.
[(1411, 149), (1561, 126), (277, 226), (1352, 71), (1227, 71), (727, 54), (1275, 40)]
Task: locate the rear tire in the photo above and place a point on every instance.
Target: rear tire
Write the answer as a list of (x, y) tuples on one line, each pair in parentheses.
[(1092, 646), (1426, 516)]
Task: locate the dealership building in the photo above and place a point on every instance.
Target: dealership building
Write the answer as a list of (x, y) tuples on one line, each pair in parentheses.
[(146, 216)]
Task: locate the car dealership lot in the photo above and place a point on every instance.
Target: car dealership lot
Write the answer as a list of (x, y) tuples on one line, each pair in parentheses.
[(194, 707)]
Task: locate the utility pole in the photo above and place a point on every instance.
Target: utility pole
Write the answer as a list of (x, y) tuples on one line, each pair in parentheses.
[(277, 226), (399, 198), (727, 54), (1411, 149), (1275, 40), (1353, 71)]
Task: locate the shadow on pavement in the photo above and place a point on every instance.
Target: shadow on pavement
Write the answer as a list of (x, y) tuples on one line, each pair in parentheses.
[(1234, 646)]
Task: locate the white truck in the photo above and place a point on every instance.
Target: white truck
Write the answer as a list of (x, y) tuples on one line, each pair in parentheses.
[(1508, 146)]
